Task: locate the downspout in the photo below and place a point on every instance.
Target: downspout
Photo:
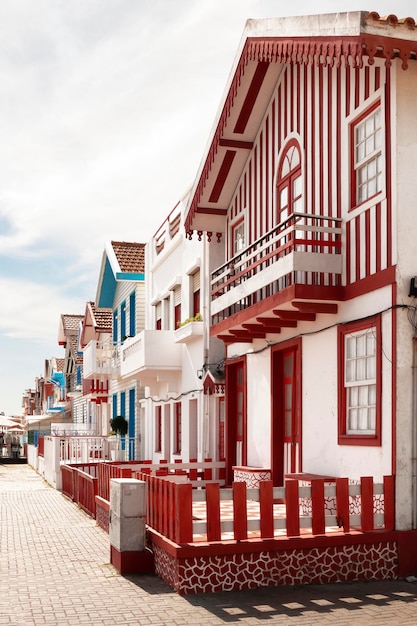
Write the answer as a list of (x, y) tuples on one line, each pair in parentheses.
[(205, 275)]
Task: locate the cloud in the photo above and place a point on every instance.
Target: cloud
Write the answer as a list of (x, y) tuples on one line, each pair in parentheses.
[(32, 310)]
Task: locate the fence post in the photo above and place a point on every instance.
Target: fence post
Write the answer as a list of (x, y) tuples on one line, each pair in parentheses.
[(292, 507), (240, 516), (367, 503), (213, 512), (318, 524), (342, 504), (266, 508), (389, 503), (183, 513)]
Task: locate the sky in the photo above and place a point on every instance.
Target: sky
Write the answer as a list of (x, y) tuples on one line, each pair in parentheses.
[(106, 107)]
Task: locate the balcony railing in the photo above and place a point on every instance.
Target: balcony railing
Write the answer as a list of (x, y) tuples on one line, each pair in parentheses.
[(150, 353), (101, 359), (303, 250)]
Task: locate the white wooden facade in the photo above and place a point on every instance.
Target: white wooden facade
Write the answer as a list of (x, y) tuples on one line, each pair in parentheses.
[(179, 420), (308, 185)]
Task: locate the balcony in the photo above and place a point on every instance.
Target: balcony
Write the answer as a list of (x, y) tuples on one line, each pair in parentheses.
[(101, 360), (298, 264), (189, 332), (151, 355)]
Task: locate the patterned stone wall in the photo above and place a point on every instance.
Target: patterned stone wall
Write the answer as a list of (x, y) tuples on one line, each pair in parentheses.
[(206, 574)]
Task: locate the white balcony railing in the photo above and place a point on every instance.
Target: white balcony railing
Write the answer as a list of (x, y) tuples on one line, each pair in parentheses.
[(101, 359), (150, 353)]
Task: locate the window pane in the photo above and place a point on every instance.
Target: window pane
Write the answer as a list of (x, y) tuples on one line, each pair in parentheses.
[(297, 187), (361, 345), (350, 347), (288, 365), (371, 368), (372, 418), (363, 419), (350, 371), (283, 201), (360, 369)]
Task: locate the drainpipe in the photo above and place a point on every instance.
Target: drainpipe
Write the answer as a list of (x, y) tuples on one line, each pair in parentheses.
[(205, 274), (414, 440)]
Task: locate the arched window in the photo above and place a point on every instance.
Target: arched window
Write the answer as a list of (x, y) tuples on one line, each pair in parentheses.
[(289, 183)]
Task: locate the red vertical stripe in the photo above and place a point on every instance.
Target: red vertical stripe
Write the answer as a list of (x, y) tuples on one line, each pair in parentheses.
[(267, 182), (330, 139), (338, 141), (261, 203), (284, 103), (367, 243), (378, 236), (357, 248), (388, 163), (321, 141), (291, 94), (250, 203), (348, 253), (377, 78), (367, 71), (313, 138), (279, 116), (357, 79), (347, 104), (298, 98)]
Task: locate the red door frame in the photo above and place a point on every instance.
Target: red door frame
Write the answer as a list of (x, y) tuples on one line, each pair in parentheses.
[(231, 371), (277, 417)]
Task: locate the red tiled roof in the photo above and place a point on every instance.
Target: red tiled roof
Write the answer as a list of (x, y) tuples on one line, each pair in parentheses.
[(131, 256), (102, 318), (60, 365), (70, 322)]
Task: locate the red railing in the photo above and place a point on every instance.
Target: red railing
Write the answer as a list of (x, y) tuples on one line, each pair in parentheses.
[(300, 233), (199, 473), (41, 445), (363, 507), (80, 483)]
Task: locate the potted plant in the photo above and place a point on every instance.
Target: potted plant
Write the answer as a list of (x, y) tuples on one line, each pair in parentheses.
[(119, 426)]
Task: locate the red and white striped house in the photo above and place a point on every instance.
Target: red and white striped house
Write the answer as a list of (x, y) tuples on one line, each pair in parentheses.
[(308, 184)]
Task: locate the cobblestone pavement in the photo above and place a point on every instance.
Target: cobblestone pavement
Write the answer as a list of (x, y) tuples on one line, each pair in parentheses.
[(54, 569)]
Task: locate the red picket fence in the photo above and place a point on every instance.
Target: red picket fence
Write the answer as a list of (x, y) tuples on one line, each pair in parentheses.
[(80, 483), (198, 473), (362, 507)]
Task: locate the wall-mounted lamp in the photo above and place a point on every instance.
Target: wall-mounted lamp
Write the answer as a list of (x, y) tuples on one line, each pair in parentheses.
[(413, 287), (200, 374)]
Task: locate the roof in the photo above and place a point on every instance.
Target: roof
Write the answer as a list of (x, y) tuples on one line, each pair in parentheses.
[(130, 256), (68, 325), (352, 39), (96, 321), (122, 261)]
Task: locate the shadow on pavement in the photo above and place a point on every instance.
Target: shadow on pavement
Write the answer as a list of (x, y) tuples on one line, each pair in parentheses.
[(268, 602)]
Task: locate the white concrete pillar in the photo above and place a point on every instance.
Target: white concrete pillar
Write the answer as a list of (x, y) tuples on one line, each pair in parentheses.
[(127, 526)]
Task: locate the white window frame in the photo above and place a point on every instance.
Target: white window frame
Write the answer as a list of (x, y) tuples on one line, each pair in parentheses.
[(361, 382), (367, 147)]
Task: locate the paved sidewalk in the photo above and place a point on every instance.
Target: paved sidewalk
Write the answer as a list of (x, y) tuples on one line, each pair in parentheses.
[(54, 569)]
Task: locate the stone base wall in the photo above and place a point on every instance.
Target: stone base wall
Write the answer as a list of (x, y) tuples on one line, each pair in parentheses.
[(212, 573), (103, 513)]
